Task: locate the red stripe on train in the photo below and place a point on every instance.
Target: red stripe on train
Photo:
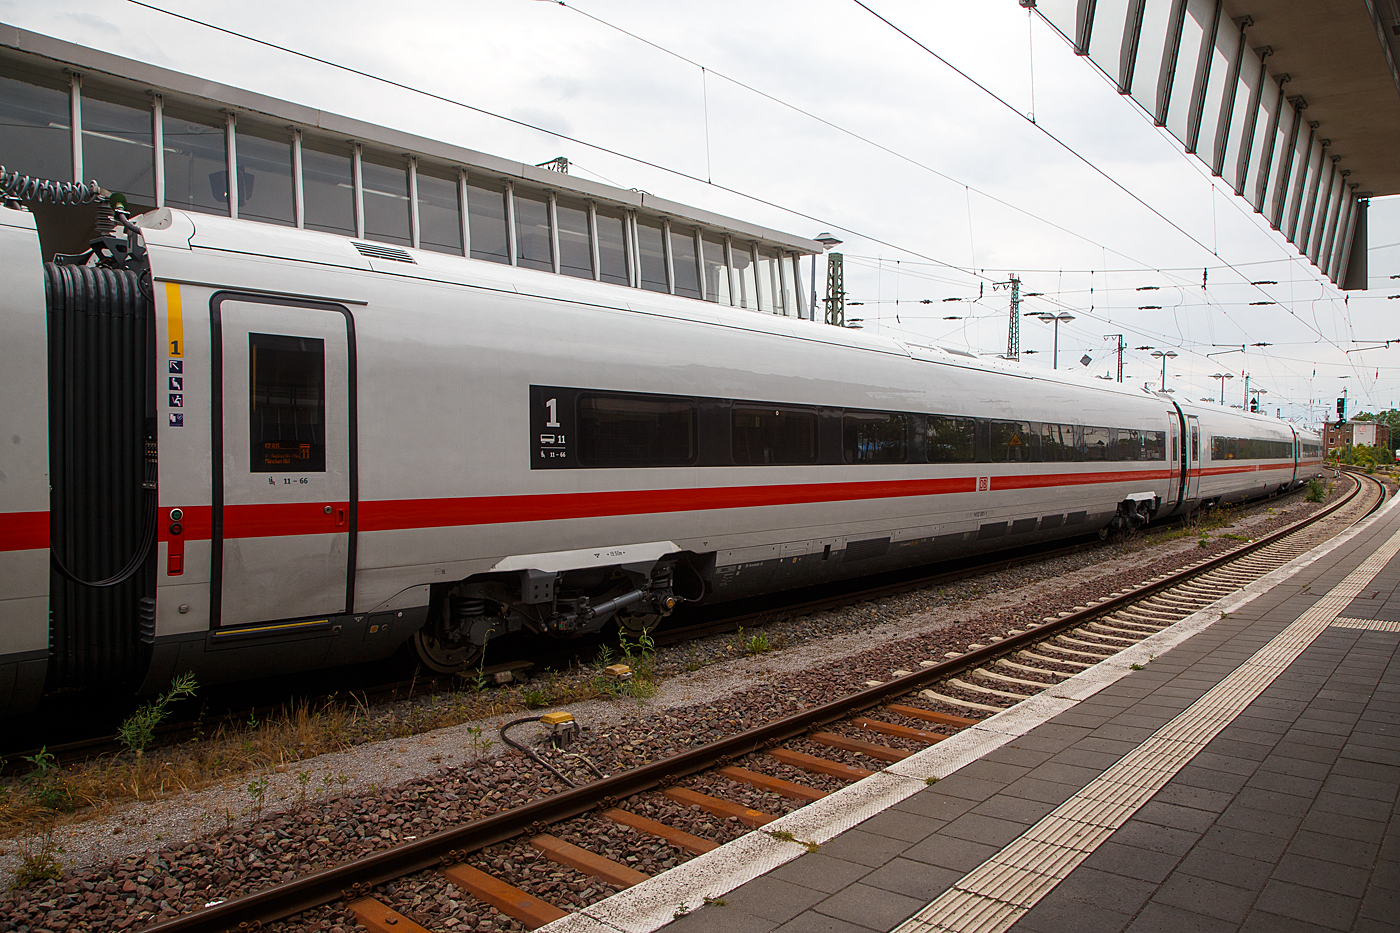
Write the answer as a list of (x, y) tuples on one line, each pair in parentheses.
[(24, 531)]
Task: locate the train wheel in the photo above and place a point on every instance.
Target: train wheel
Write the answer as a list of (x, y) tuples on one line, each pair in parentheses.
[(443, 658), (637, 624)]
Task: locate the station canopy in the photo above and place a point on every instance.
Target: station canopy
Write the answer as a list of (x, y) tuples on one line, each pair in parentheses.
[(1295, 104)]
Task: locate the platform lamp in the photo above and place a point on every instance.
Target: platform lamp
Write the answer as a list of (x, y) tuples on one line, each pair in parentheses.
[(1222, 377), (829, 243), (1168, 355), (1047, 317)]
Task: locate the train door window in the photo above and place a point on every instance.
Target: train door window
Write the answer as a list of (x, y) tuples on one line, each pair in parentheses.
[(265, 176), (636, 431), (117, 146), (742, 255), (486, 219), (1094, 443), (34, 126), (612, 248), (773, 436), (575, 245), (1129, 445), (196, 164), (875, 437), (951, 440), (328, 187), (716, 269), (385, 183), (1012, 442), (533, 243), (1154, 445), (685, 265), (287, 404), (651, 246), (439, 212)]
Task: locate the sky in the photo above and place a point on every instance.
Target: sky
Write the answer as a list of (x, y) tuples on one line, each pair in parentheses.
[(816, 117)]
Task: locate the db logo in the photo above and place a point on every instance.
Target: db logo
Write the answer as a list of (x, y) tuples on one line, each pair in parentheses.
[(983, 483)]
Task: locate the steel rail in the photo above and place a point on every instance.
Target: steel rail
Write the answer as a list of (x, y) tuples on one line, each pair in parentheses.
[(358, 877)]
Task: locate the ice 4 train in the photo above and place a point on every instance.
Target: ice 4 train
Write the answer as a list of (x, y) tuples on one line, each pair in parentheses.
[(239, 449)]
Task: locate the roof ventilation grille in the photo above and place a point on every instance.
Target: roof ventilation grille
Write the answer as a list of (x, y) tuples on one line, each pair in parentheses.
[(376, 251)]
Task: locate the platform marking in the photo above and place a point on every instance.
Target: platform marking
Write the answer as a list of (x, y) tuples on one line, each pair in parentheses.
[(1370, 625), (993, 896)]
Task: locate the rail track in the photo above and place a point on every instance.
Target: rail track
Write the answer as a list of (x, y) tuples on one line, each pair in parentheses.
[(834, 743)]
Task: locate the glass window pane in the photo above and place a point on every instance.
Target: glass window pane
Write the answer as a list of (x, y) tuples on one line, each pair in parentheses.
[(635, 430), (34, 130), (533, 246), (874, 437), (1094, 443), (118, 150), (386, 199), (439, 212), (1154, 445), (1129, 444), (575, 247), (287, 404), (744, 275), (1244, 97), (1258, 169), (486, 213), (716, 270), (612, 247), (653, 256), (1222, 57), (683, 262), (1056, 443), (769, 290), (1303, 165), (788, 277), (1012, 442), (1061, 14), (1278, 180), (328, 188), (196, 162), (774, 435), (951, 440), (264, 175), (1199, 16), (1106, 41), (1152, 45)]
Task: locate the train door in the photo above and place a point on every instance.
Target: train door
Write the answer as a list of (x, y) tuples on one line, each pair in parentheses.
[(1174, 481), (1193, 453), (284, 467)]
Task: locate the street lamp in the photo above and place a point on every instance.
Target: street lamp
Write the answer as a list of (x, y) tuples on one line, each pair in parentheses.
[(1256, 393), (1047, 317), (1222, 377), (1168, 355)]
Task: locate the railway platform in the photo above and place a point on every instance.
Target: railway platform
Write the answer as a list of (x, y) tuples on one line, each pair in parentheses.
[(1238, 771)]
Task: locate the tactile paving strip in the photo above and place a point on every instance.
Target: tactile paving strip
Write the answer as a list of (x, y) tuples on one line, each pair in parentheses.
[(1371, 625), (993, 896)]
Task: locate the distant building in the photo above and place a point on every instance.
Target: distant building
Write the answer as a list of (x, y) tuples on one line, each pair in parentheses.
[(1339, 434)]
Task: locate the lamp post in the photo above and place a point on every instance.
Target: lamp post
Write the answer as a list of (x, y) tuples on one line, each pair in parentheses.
[(1222, 377), (1047, 317), (1168, 355), (1256, 393)]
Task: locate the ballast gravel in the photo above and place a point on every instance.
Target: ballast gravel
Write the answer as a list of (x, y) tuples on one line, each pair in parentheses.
[(153, 860)]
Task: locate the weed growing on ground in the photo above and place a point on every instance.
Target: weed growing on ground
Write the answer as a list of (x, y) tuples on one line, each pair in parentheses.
[(138, 731), (39, 864), (1317, 491), (48, 787), (758, 644)]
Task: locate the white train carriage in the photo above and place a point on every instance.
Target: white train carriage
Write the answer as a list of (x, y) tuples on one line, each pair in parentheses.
[(359, 445)]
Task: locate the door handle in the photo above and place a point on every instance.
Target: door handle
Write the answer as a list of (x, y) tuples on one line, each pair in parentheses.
[(340, 515)]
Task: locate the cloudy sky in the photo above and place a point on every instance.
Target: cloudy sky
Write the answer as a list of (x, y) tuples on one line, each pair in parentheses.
[(815, 116)]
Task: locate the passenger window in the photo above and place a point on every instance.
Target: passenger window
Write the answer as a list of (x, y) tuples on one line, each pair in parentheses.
[(1129, 444), (951, 440), (287, 404), (635, 430), (874, 437), (774, 435), (1154, 445), (1094, 445), (1012, 442)]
